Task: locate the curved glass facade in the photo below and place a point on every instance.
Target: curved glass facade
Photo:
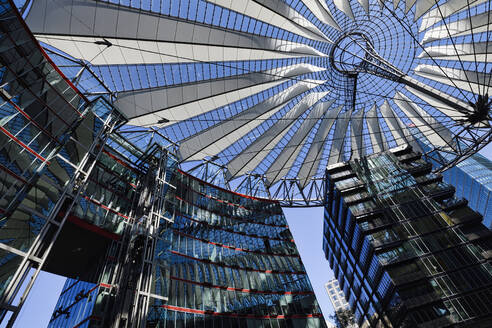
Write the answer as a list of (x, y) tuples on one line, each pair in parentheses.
[(232, 262), (221, 259)]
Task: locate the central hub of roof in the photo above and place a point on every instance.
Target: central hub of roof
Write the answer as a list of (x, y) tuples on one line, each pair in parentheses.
[(350, 53)]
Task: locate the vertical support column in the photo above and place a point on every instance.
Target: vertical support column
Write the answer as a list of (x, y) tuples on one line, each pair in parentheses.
[(135, 279), (154, 223)]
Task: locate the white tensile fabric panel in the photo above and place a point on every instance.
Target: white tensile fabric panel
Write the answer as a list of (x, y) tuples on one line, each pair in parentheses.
[(219, 136), (357, 144), (399, 131), (365, 5), (180, 94), (155, 100), (133, 52), (338, 144), (394, 124), (344, 6), (461, 51), (439, 105), (378, 139), (185, 101), (283, 9), (461, 27), (311, 162), (446, 9), (381, 3), (422, 7), (321, 11), (89, 21), (408, 5), (466, 80), (434, 131), (249, 158), (436, 92), (263, 13), (283, 163)]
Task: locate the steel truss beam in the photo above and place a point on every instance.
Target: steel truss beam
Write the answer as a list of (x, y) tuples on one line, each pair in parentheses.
[(288, 192)]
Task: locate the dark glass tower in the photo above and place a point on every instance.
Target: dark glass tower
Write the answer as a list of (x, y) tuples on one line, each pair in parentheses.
[(472, 178), (405, 251)]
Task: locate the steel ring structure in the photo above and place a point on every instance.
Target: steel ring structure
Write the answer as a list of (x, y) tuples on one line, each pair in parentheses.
[(268, 92)]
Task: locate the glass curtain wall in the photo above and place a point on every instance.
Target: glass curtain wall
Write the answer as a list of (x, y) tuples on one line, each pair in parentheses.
[(472, 179), (405, 251), (38, 110), (232, 262), (222, 259)]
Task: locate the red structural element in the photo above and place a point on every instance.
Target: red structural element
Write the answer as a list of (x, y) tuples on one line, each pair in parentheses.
[(39, 99), (234, 218), (242, 290), (91, 227), (216, 199), (240, 315), (230, 247), (119, 161), (105, 285), (233, 266), (51, 63), (45, 55), (230, 230), (229, 191), (23, 145), (107, 208), (28, 117)]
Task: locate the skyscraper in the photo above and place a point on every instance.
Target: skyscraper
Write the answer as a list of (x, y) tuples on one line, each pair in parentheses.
[(405, 251), (336, 295), (472, 178), (338, 300)]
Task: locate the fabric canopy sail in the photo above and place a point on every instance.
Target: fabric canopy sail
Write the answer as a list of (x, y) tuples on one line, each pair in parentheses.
[(283, 88)]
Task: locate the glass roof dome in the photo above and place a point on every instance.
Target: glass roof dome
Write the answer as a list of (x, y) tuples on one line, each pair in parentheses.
[(279, 89)]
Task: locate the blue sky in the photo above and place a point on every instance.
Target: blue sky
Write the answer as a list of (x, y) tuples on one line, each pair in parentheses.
[(306, 225)]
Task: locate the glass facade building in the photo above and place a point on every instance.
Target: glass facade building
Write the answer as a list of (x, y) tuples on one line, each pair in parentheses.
[(232, 262), (222, 260), (50, 135), (405, 251), (472, 178)]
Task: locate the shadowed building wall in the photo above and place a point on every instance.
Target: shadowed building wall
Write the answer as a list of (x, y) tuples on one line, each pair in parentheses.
[(405, 251)]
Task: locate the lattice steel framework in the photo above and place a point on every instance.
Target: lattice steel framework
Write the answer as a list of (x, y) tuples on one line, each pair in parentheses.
[(282, 88)]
